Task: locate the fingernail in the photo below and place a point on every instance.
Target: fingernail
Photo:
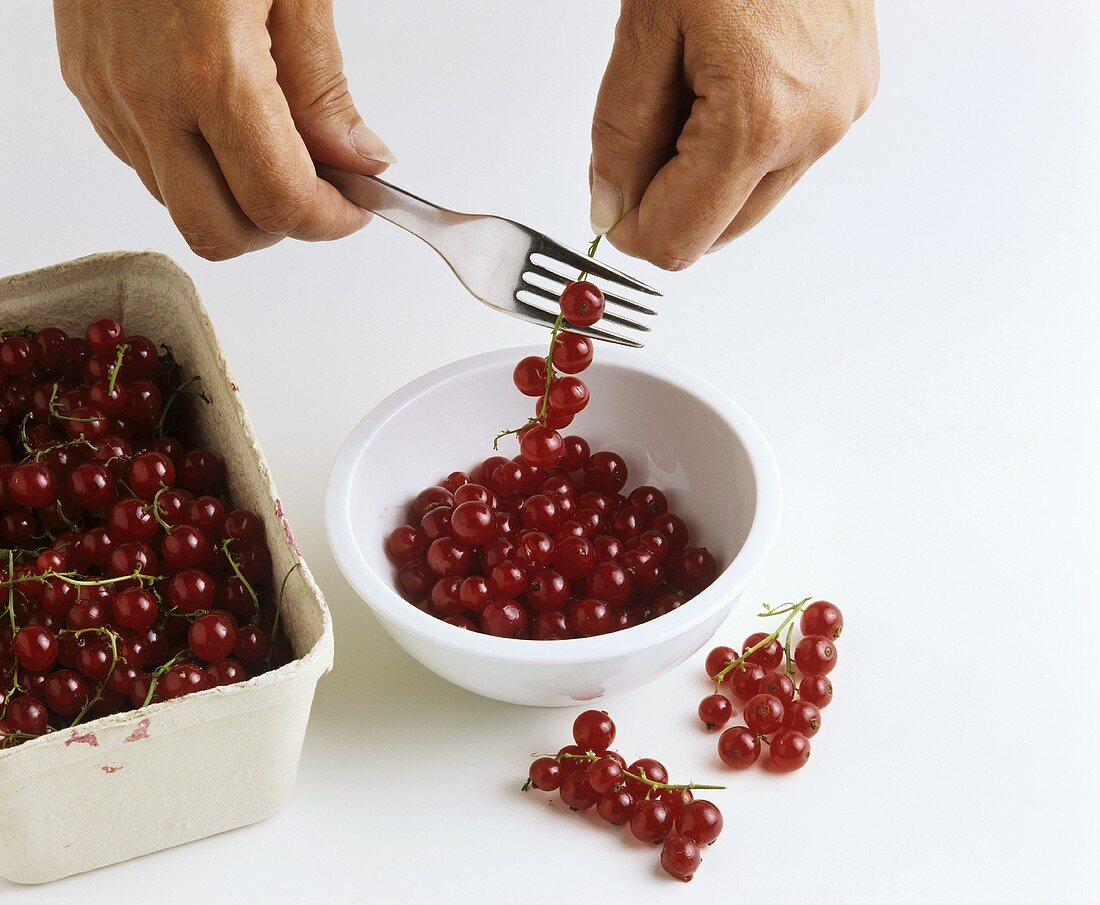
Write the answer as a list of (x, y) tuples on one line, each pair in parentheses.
[(369, 146), (607, 205)]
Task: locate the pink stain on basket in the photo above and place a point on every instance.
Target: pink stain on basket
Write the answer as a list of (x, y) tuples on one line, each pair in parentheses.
[(88, 738), (234, 387), (281, 516), (110, 768), (140, 732)]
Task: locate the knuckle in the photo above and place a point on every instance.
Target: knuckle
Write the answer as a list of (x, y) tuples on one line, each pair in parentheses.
[(610, 135), (214, 245), (330, 98), (281, 214)]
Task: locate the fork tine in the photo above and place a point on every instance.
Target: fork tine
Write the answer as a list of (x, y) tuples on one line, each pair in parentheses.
[(607, 316), (613, 299), (582, 262), (534, 314)]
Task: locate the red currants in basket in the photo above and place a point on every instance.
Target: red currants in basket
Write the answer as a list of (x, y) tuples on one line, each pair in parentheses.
[(590, 774), (776, 712), (126, 574)]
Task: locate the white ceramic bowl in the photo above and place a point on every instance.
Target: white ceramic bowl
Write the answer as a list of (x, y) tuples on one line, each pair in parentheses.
[(674, 431)]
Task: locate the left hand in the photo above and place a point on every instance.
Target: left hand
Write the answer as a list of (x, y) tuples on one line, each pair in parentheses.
[(711, 110)]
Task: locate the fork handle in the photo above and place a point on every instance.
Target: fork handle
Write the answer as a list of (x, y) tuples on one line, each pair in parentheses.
[(404, 209)]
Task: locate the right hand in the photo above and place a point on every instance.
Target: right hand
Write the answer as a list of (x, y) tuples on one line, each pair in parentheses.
[(221, 106)]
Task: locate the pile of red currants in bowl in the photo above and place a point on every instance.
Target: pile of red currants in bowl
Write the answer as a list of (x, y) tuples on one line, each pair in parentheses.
[(546, 545), (126, 575)]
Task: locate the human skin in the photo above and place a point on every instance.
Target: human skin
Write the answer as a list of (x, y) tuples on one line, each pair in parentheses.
[(710, 110)]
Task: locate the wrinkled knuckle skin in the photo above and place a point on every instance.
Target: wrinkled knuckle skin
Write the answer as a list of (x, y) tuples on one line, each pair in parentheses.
[(331, 99), (607, 135), (671, 259), (281, 215)]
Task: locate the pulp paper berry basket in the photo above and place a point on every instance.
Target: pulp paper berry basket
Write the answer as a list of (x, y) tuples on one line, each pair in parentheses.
[(197, 765)]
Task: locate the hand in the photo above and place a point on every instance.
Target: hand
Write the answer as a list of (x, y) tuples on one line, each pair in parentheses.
[(710, 110), (221, 106)]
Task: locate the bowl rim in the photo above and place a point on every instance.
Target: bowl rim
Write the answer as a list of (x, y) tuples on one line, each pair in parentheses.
[(380, 595)]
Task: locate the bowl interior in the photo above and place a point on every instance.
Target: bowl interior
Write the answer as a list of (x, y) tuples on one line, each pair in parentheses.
[(660, 423)]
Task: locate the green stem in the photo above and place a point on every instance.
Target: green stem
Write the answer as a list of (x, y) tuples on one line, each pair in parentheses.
[(279, 610), (160, 671), (112, 639), (591, 756), (155, 505), (112, 375), (237, 571), (790, 609)]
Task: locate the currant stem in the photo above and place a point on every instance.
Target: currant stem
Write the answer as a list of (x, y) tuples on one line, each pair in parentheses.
[(237, 571), (591, 756), (112, 638), (112, 375), (155, 676), (155, 506), (278, 611), (791, 610)]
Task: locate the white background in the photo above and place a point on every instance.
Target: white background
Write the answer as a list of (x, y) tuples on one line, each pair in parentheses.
[(914, 329)]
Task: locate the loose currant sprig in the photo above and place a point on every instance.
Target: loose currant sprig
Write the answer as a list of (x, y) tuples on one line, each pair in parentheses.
[(790, 611), (247, 585), (551, 372)]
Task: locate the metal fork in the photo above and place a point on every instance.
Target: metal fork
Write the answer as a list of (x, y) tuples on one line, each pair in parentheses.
[(497, 259)]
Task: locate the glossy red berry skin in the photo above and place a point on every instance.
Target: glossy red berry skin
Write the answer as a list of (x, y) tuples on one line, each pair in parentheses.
[(252, 644), (473, 522), (604, 774), (568, 395), (763, 714), (715, 711), (226, 672), (582, 303), (680, 857), (547, 590), (91, 485), (815, 655), (213, 636), (789, 750), (701, 820), (541, 447), (739, 747), (816, 689), (32, 484), (616, 806), (182, 679), (744, 681), (576, 791), (190, 590), (405, 543), (651, 821), (718, 659), (104, 336), (66, 692), (803, 717), (605, 471), (529, 376), (770, 656), (448, 557), (695, 569), (149, 472), (135, 609), (504, 618), (778, 684), (822, 618), (27, 713), (572, 353), (545, 774), (650, 769), (594, 730), (185, 546), (35, 648)]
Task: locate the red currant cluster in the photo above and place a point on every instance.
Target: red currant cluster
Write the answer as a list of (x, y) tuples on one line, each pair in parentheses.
[(589, 774), (520, 551), (125, 575), (762, 676), (545, 545)]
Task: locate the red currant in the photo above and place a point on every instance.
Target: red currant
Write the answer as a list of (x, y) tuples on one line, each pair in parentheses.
[(789, 750), (715, 711), (739, 747), (582, 303), (822, 618), (815, 655)]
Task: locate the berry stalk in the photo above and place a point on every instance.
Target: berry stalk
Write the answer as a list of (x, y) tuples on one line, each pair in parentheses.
[(791, 610)]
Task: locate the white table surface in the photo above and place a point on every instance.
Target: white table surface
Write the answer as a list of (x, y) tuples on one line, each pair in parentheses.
[(915, 331)]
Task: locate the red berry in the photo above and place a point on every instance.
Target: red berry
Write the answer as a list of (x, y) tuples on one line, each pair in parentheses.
[(770, 656), (568, 395), (763, 714), (616, 806), (718, 659), (652, 821), (789, 750), (818, 690), (541, 447), (213, 636), (815, 655), (135, 609), (739, 747), (778, 684), (149, 472), (572, 353), (181, 679), (715, 711), (91, 485), (32, 484), (35, 648), (594, 730), (803, 717), (576, 792), (104, 336), (473, 522), (695, 569), (504, 618), (604, 774), (529, 376), (545, 774), (605, 471), (700, 820), (680, 857), (582, 303), (406, 543), (822, 618)]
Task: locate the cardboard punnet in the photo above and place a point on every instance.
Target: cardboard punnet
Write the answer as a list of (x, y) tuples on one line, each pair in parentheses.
[(202, 764)]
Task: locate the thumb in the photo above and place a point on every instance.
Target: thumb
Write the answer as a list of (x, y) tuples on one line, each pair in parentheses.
[(639, 111), (311, 74)]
